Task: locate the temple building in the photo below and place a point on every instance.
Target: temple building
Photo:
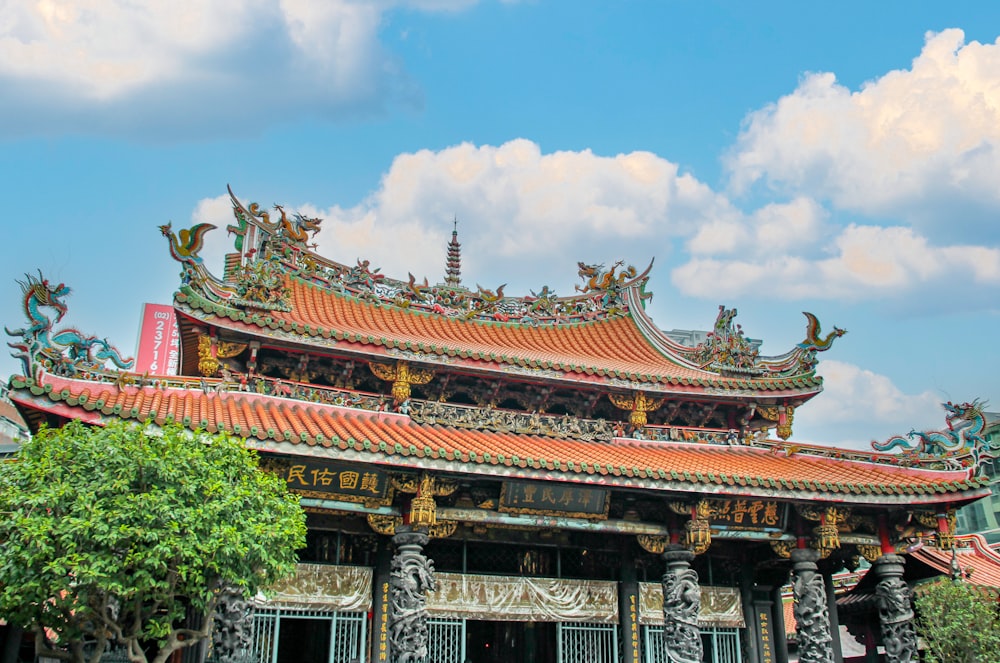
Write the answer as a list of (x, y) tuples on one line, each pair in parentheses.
[(538, 478)]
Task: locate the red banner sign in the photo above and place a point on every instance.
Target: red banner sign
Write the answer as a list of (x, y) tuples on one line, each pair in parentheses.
[(159, 341)]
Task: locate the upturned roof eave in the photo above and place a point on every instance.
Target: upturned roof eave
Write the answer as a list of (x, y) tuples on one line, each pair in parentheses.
[(268, 330), (484, 453)]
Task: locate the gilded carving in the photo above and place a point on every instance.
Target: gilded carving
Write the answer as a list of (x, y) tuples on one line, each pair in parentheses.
[(652, 543), (208, 365), (638, 404), (782, 548), (385, 525), (869, 552), (402, 375), (781, 415)]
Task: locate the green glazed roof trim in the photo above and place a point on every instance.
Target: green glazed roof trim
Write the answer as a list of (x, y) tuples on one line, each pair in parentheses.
[(195, 300)]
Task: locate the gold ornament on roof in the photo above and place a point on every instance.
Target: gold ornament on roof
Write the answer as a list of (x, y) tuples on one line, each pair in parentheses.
[(698, 535), (782, 415), (698, 530), (826, 535), (423, 509), (210, 351), (208, 365), (402, 376), (638, 403), (782, 548)]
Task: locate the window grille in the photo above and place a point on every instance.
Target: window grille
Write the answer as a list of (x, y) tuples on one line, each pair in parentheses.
[(587, 643), (720, 645), (445, 641), (348, 634)]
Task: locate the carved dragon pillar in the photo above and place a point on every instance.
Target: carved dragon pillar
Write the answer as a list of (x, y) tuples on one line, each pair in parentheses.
[(412, 573), (232, 635), (681, 605), (895, 610), (411, 577), (812, 618)]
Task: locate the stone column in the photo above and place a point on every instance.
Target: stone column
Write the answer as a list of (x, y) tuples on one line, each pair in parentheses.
[(232, 637), (812, 619), (411, 578), (895, 610), (681, 604)]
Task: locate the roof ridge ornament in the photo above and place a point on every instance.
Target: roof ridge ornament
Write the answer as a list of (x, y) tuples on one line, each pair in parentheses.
[(65, 352), (960, 445), (728, 351), (453, 268)]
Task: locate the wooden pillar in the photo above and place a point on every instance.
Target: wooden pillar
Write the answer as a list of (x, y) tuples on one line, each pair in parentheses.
[(628, 608), (379, 651)]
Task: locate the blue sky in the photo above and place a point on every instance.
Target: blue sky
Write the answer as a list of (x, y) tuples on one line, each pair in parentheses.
[(774, 157)]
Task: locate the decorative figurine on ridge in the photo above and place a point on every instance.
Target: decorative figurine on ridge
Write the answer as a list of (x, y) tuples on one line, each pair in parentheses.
[(64, 352)]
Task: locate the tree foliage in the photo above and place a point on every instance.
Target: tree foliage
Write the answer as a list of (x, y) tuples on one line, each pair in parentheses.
[(958, 623), (116, 533)]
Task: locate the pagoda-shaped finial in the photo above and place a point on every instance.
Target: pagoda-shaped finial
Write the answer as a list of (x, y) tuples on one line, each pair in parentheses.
[(453, 273)]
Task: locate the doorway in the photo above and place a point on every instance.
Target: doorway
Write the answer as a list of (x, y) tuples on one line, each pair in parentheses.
[(510, 642)]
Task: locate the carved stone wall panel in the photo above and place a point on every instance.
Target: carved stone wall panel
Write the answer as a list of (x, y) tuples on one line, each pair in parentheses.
[(505, 598), (324, 587), (720, 606)]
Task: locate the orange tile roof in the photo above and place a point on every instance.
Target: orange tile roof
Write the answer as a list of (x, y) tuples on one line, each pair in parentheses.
[(611, 347), (974, 557), (280, 424)]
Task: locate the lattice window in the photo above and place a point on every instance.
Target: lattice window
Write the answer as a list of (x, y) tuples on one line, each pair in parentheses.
[(447, 555), (720, 645), (446, 640), (347, 634), (588, 643)]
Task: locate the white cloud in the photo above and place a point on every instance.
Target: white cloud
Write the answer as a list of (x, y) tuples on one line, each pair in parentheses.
[(120, 66), (517, 206), (858, 405), (522, 212), (774, 228), (921, 144), (863, 262)]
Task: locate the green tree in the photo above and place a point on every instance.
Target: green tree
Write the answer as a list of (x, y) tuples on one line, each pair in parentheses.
[(958, 623), (114, 534)]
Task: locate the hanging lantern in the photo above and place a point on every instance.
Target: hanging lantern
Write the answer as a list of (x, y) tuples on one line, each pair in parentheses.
[(826, 538), (699, 529), (699, 535), (423, 511)]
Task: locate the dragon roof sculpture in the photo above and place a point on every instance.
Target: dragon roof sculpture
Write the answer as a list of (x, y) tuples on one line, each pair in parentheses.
[(66, 351), (960, 444)]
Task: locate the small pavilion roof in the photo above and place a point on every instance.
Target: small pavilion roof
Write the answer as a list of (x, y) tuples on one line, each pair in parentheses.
[(296, 427), (978, 563)]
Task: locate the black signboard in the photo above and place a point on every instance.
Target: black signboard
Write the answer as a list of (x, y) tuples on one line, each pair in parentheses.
[(747, 514), (553, 499), (326, 479)]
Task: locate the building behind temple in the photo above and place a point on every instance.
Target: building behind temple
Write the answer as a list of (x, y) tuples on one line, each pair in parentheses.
[(586, 487)]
